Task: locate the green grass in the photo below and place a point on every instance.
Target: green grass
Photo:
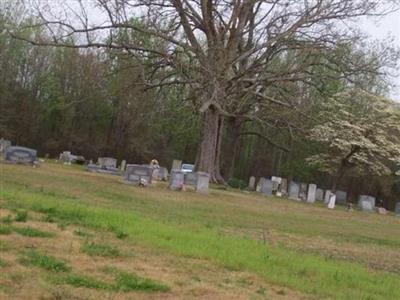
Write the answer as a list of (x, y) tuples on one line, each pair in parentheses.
[(78, 280), (185, 224), (3, 263), (5, 229), (21, 216), (7, 220), (94, 249), (80, 232), (32, 232), (44, 261)]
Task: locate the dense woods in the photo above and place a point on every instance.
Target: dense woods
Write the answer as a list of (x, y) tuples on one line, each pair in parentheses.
[(240, 88)]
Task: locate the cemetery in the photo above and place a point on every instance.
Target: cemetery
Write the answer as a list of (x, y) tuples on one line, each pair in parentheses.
[(175, 149)]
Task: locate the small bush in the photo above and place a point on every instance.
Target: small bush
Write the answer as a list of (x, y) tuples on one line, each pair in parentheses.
[(5, 229), (32, 232), (47, 262), (121, 235), (93, 249), (21, 216), (237, 183)]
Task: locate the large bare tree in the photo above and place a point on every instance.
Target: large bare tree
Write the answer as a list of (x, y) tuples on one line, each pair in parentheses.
[(225, 52)]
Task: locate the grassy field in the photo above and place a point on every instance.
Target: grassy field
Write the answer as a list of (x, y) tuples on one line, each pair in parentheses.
[(70, 234)]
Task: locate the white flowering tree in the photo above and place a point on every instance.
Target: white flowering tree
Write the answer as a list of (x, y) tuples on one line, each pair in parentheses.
[(360, 134)]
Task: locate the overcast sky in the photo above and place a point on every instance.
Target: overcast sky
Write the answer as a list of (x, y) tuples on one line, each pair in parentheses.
[(382, 28)]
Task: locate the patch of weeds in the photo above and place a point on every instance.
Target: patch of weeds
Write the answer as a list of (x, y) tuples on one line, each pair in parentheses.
[(21, 216), (7, 220), (5, 229), (62, 225), (261, 291), (47, 262), (4, 246), (77, 280), (32, 232), (81, 233), (48, 218), (3, 263), (93, 249), (126, 282), (281, 292), (120, 234)]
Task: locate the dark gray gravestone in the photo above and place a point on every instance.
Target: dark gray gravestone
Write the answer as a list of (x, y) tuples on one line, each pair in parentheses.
[(259, 184), (366, 203), (190, 178), (163, 174), (177, 180), (266, 187), (319, 195), (311, 193), (397, 209), (303, 191), (202, 182), (107, 163), (20, 155), (341, 197), (294, 190), (138, 174)]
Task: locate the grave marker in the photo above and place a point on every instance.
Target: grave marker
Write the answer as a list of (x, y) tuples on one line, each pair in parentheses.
[(138, 174), (252, 183), (177, 180), (311, 194), (284, 187), (397, 209), (319, 195), (294, 190), (20, 155), (176, 165), (303, 191), (341, 197), (202, 182), (366, 203), (123, 165), (267, 187), (259, 184)]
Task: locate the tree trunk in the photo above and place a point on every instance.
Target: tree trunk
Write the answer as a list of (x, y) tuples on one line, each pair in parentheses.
[(210, 144), (231, 147)]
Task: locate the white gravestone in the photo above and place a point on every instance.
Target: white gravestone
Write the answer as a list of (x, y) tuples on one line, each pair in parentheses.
[(266, 187), (331, 200), (123, 165), (276, 183), (327, 194), (252, 183), (366, 203), (284, 187), (176, 165), (312, 188), (203, 180), (294, 190)]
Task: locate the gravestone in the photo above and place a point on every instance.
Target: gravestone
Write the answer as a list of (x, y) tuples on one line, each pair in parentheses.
[(341, 197), (252, 183), (155, 175), (163, 174), (294, 190), (107, 162), (319, 195), (266, 187), (123, 166), (303, 191), (20, 155), (259, 184), (311, 194), (284, 187), (327, 194), (276, 182), (397, 209), (202, 182), (176, 165), (366, 203), (331, 200), (190, 178), (177, 180), (4, 144), (138, 174)]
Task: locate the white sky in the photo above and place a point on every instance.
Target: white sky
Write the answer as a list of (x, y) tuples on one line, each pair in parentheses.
[(382, 28)]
